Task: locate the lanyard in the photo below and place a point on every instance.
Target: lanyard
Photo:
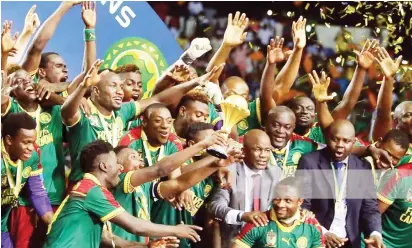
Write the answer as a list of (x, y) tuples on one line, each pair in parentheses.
[(37, 118), (143, 202), (339, 191), (14, 185), (285, 159), (147, 153), (110, 137)]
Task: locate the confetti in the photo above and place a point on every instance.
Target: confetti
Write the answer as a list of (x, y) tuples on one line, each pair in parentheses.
[(327, 24), (307, 6), (207, 29), (250, 45), (390, 19), (357, 25), (343, 62), (350, 10)]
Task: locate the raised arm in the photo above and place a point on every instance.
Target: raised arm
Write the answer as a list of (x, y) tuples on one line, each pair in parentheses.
[(389, 67), (175, 93), (274, 55), (89, 19), (70, 109), (146, 228), (32, 60), (286, 77), (7, 44), (31, 23), (165, 166), (234, 36), (350, 98), (320, 91)]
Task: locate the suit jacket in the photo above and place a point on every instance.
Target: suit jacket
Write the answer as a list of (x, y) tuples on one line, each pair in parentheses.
[(222, 200), (318, 190)]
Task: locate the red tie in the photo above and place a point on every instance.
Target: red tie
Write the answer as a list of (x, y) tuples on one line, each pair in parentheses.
[(256, 192)]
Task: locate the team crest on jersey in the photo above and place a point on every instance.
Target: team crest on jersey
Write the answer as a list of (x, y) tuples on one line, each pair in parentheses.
[(45, 118), (26, 172), (243, 125), (271, 239), (302, 242), (296, 157), (142, 53), (94, 121), (207, 190), (409, 195)]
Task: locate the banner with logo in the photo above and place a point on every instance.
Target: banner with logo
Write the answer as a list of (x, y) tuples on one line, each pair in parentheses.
[(126, 32)]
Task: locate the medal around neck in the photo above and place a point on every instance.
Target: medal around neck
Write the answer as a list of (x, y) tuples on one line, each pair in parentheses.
[(235, 108)]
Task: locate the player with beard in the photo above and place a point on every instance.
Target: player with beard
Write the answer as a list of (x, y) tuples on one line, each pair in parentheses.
[(90, 205), (21, 183), (109, 117), (288, 146), (132, 82), (287, 222), (137, 183)]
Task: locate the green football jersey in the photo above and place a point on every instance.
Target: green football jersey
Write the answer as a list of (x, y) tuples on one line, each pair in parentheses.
[(164, 213), (214, 116), (303, 233), (88, 129), (395, 189), (253, 121), (79, 220), (408, 156), (297, 146), (29, 168), (134, 123), (135, 139), (136, 201), (50, 140)]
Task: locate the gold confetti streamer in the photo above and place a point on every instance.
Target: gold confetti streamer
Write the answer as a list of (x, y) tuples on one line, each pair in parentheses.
[(307, 6)]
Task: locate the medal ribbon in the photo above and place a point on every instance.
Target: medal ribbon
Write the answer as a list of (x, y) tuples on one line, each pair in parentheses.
[(14, 185), (147, 151), (143, 202), (339, 191), (110, 137), (273, 160)]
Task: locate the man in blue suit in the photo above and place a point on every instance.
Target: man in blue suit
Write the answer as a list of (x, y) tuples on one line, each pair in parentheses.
[(339, 190)]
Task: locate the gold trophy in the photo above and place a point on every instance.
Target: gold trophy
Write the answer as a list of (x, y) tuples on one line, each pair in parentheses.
[(235, 108)]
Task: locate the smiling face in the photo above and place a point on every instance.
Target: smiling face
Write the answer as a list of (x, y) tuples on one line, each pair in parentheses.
[(340, 140), (279, 127), (304, 110), (109, 91), (22, 145), (25, 86), (130, 160), (157, 126), (286, 201)]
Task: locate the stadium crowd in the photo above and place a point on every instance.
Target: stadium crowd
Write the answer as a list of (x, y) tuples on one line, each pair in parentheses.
[(203, 161)]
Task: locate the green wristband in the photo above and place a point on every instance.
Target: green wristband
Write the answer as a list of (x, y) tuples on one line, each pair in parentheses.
[(89, 35)]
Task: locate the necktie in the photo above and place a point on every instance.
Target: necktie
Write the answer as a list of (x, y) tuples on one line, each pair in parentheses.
[(339, 174), (256, 192)]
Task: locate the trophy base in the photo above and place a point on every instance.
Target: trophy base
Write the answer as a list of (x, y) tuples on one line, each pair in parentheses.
[(217, 151)]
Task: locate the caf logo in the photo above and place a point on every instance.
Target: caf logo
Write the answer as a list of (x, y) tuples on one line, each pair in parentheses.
[(140, 52), (45, 118), (302, 242)]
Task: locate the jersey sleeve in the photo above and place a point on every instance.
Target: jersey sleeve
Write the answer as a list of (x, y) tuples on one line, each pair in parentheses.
[(126, 183), (253, 121), (387, 189), (34, 161), (12, 107), (129, 111), (101, 202), (248, 235), (317, 236)]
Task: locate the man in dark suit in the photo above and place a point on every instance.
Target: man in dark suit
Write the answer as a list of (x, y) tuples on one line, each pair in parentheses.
[(338, 188)]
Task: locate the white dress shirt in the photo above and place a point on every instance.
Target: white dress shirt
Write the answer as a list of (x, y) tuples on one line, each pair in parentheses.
[(338, 226), (231, 216)]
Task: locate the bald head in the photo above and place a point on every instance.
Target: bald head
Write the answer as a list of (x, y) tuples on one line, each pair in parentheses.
[(403, 118), (235, 86), (340, 139), (257, 149), (279, 125)]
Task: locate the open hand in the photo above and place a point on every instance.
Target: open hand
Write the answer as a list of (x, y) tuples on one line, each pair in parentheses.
[(89, 14), (92, 77), (224, 177), (299, 33), (388, 66), (365, 57), (185, 199), (198, 47), (320, 87), (8, 43), (375, 242), (275, 53), (257, 218), (217, 138), (235, 31), (188, 232), (180, 74), (32, 21), (42, 91), (204, 79)]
